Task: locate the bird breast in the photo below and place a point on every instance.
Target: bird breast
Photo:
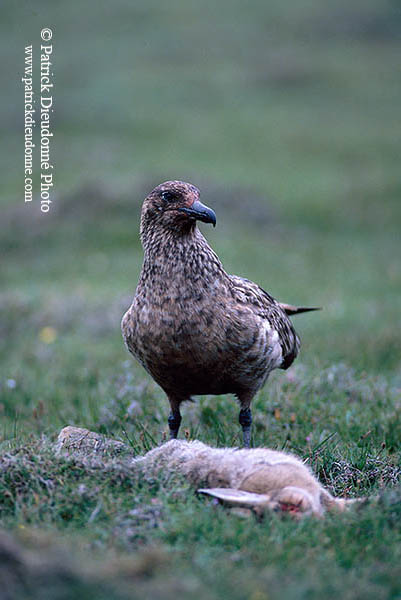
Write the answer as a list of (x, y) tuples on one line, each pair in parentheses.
[(186, 332)]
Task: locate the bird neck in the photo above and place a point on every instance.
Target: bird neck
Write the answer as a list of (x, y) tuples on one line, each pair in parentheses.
[(186, 256), (156, 238)]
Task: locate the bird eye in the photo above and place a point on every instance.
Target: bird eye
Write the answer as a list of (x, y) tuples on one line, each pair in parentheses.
[(168, 196)]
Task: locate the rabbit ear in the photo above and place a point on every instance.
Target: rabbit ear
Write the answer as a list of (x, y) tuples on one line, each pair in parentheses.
[(237, 497)]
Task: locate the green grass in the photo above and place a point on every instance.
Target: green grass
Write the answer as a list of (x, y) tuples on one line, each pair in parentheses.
[(287, 117)]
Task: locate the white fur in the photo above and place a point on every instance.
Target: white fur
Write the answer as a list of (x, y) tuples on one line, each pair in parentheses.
[(258, 478)]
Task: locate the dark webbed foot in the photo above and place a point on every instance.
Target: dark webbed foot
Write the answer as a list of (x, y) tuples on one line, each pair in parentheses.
[(245, 419), (174, 422)]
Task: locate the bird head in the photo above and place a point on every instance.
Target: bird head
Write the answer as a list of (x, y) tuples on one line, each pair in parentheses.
[(175, 205)]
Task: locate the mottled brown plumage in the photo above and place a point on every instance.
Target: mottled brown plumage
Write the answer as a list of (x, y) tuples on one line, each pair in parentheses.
[(195, 328)]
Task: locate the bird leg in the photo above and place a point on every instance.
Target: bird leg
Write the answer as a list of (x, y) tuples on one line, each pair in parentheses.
[(245, 419), (174, 419)]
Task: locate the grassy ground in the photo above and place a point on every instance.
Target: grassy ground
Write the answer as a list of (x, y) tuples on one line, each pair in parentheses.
[(288, 119)]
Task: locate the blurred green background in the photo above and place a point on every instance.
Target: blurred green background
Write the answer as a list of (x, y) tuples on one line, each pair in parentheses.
[(287, 117)]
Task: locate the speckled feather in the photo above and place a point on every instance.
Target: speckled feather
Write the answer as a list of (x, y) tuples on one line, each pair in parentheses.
[(195, 328)]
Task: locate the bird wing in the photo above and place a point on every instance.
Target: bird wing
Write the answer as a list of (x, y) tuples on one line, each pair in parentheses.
[(263, 304)]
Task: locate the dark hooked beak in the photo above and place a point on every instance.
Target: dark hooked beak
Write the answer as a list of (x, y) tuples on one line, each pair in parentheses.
[(200, 212)]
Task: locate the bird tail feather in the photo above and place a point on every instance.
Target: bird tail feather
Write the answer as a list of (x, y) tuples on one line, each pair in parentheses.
[(290, 310)]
